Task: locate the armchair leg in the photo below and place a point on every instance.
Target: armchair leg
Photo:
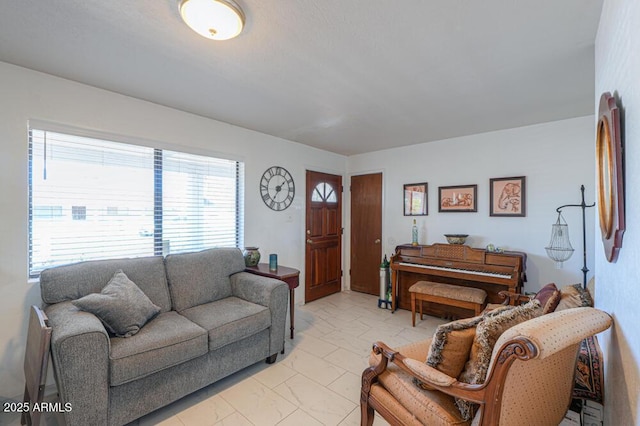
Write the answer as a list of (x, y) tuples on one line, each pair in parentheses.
[(366, 414), (369, 377)]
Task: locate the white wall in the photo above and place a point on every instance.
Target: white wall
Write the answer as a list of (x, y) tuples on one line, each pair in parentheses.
[(30, 95), (556, 159), (617, 63)]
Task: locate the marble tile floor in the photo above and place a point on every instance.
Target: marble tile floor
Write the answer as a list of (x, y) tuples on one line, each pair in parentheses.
[(316, 381)]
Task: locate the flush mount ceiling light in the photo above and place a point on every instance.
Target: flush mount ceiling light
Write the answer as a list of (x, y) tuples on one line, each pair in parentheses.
[(213, 19)]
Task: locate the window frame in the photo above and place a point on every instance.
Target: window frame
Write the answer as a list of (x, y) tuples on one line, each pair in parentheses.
[(158, 149)]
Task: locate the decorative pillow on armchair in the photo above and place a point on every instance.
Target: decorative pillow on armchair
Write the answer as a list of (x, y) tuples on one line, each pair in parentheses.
[(549, 297), (121, 306), (451, 344), (487, 334), (574, 296)]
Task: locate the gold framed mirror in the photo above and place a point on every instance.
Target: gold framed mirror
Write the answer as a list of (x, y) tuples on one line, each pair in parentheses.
[(605, 178), (610, 177)]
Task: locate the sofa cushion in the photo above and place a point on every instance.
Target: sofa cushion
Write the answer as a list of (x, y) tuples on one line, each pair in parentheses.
[(229, 320), (167, 340), (121, 306), (202, 277), (72, 282)]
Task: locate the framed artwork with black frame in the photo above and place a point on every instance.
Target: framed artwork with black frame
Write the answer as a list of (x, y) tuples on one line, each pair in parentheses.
[(461, 198), (507, 196), (416, 199)]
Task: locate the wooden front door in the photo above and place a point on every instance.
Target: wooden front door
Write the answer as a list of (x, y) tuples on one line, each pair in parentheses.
[(323, 236), (366, 232)]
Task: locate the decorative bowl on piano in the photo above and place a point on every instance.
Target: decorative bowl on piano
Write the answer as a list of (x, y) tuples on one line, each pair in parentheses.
[(456, 238)]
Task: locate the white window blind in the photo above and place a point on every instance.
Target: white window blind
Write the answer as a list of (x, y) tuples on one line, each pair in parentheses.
[(97, 199)]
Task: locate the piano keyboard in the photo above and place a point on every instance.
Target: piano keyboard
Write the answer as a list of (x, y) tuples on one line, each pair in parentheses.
[(461, 271)]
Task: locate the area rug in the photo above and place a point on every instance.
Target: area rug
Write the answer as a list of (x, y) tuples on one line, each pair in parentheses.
[(589, 377)]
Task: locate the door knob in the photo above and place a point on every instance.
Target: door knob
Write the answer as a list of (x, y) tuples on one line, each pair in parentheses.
[(377, 241), (308, 231), (309, 241)]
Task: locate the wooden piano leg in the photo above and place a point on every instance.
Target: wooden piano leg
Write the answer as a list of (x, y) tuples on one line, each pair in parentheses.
[(413, 309)]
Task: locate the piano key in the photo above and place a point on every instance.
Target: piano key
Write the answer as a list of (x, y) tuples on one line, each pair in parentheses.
[(461, 271)]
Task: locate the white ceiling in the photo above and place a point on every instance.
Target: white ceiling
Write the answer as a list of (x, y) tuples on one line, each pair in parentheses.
[(348, 76)]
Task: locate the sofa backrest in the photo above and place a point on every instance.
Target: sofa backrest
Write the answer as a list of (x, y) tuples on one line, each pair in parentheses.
[(72, 282), (202, 277)]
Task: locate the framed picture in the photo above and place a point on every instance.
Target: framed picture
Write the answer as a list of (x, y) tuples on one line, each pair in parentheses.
[(507, 196), (415, 199), (457, 198)]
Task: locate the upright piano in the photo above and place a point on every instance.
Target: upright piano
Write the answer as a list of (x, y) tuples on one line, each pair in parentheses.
[(454, 264)]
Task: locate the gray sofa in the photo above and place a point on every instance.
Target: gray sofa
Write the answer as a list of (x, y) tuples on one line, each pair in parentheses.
[(214, 320)]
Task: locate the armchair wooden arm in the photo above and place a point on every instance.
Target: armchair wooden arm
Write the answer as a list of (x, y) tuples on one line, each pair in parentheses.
[(427, 374), (511, 298), (518, 348)]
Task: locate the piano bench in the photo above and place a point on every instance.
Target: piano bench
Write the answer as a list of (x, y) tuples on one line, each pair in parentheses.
[(446, 294)]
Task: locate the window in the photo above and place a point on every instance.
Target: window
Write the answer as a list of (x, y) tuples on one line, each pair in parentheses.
[(96, 199), (324, 192), (79, 212), (48, 212)]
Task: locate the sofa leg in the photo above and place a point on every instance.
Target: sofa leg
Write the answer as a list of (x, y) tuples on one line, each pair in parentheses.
[(272, 358)]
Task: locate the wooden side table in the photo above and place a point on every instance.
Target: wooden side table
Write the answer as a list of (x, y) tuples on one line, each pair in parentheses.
[(36, 361), (290, 276)]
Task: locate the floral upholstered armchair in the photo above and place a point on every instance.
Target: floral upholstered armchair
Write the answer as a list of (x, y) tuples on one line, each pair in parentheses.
[(509, 366)]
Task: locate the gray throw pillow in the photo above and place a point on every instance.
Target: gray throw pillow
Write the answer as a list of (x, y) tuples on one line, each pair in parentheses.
[(122, 307)]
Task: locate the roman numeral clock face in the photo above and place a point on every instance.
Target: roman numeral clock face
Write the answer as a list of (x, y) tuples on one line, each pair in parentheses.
[(277, 188)]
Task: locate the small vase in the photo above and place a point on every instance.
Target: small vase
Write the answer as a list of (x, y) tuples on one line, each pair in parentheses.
[(414, 234), (251, 256)]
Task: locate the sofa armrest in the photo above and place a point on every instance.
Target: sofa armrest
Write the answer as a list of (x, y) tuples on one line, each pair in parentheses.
[(80, 352), (258, 289), (267, 292)]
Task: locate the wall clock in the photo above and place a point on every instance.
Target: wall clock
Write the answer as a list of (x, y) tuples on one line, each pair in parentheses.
[(277, 188), (610, 176)]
